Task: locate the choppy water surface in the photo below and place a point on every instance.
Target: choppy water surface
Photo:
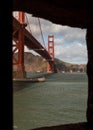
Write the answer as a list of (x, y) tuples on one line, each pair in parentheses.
[(61, 99)]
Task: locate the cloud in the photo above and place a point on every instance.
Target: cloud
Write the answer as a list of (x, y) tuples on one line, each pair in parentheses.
[(74, 53)]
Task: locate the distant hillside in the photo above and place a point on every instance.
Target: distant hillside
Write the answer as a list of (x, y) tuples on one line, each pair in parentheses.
[(68, 67), (37, 63)]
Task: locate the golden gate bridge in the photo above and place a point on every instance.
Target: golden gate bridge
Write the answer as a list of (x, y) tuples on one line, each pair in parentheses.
[(22, 37)]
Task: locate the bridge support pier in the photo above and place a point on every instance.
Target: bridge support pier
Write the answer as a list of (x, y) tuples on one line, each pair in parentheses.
[(89, 40), (19, 46), (49, 68)]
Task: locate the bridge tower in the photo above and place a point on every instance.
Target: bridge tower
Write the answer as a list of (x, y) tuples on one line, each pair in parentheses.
[(18, 46), (50, 67)]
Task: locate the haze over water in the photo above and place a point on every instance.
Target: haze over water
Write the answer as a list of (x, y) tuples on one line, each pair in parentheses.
[(61, 99)]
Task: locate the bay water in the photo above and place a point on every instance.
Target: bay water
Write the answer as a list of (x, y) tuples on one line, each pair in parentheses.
[(61, 99)]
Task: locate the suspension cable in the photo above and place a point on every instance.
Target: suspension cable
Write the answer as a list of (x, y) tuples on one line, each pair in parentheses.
[(39, 26), (41, 32)]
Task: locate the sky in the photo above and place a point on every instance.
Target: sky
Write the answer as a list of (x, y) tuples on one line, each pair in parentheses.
[(69, 43)]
